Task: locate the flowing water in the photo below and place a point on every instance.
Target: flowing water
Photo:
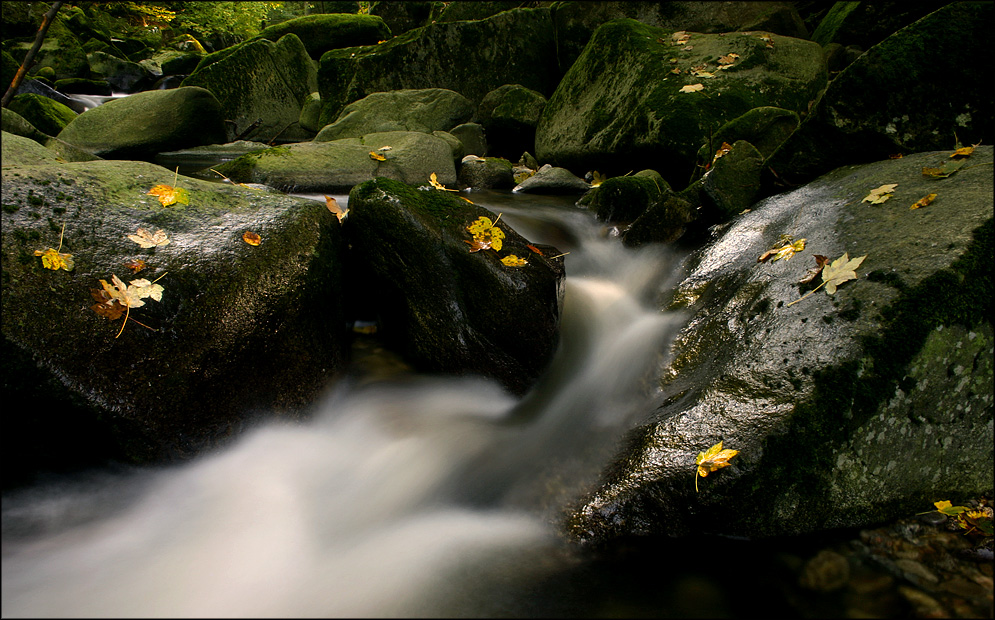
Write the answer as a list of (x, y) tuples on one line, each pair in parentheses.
[(411, 496)]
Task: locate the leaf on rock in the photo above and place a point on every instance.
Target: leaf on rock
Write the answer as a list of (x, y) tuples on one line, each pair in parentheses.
[(377, 156), (840, 270), (251, 238), (692, 88), (434, 181), (116, 298), (535, 249), (513, 261), (813, 272), (334, 207), (597, 179), (680, 38), (135, 265), (169, 195), (714, 459), (142, 288), (477, 245), (54, 260), (728, 59), (945, 507), (148, 239), (880, 194), (947, 169), (964, 151), (785, 251), (925, 201), (977, 521), (485, 234)]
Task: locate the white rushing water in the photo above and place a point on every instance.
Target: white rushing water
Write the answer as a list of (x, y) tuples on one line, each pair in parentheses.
[(424, 496)]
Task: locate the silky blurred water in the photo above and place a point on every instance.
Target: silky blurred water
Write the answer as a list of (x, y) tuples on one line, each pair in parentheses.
[(404, 497)]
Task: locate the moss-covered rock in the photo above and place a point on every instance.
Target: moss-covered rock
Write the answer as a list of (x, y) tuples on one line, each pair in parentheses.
[(486, 173), (8, 68), (623, 199), (322, 32), (877, 107), (124, 76), (732, 184), (340, 164), (473, 138), (401, 17), (141, 125), (619, 108), (21, 151), (45, 114), (766, 128), (469, 57), (261, 86), (426, 110), (664, 221), (442, 307), (60, 50), (14, 123), (463, 10), (310, 111), (865, 24), (825, 399), (83, 86), (175, 62), (553, 180), (239, 330), (510, 114), (575, 22)]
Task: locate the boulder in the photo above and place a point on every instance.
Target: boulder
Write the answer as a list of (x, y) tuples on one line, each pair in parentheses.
[(463, 11), (623, 199), (83, 86), (732, 183), (510, 114), (766, 128), (825, 399), (15, 124), (486, 173), (401, 17), (40, 88), (665, 220), (21, 151), (513, 46), (141, 125), (876, 107), (865, 24), (124, 76), (426, 110), (575, 22), (473, 138), (614, 111), (60, 50), (338, 165), (552, 180), (455, 146), (261, 86), (175, 62), (444, 308), (239, 329), (47, 115), (322, 32), (310, 111)]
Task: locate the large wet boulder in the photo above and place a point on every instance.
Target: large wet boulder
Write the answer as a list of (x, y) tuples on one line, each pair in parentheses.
[(141, 125), (509, 115), (238, 330), (444, 308), (624, 198), (469, 57), (553, 180), (864, 24), (910, 93), (322, 32), (766, 128), (846, 409), (486, 173), (426, 110), (575, 22), (47, 115), (261, 86), (338, 165), (629, 102), (16, 125)]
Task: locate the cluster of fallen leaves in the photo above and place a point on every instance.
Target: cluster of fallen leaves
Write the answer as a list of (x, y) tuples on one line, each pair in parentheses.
[(487, 236), (785, 248), (833, 273), (117, 297), (713, 459), (972, 520)]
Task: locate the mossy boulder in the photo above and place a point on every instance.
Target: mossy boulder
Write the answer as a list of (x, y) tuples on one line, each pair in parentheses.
[(340, 164), (463, 11), (623, 199), (175, 62), (124, 76), (469, 57), (510, 114), (732, 184), (47, 115), (910, 93), (322, 32), (426, 110), (21, 151), (619, 108), (239, 331), (553, 180), (766, 128), (60, 50), (865, 24), (401, 17), (473, 137), (444, 308), (14, 123), (83, 86), (575, 22), (141, 125), (486, 173), (310, 111), (261, 86), (827, 398)]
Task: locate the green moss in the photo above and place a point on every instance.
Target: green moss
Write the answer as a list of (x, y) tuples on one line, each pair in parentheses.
[(9, 208)]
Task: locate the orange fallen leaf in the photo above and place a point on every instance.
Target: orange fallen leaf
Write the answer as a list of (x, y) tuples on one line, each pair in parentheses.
[(377, 156), (251, 238), (925, 201), (135, 265), (535, 249), (169, 195), (964, 151), (714, 459), (334, 207), (434, 182), (728, 59)]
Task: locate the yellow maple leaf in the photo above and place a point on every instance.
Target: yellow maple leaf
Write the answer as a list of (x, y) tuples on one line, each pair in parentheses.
[(880, 194), (54, 260), (597, 179), (715, 458), (147, 239), (692, 88), (925, 201), (377, 156), (964, 151), (785, 251), (486, 234), (434, 181), (169, 195), (513, 261)]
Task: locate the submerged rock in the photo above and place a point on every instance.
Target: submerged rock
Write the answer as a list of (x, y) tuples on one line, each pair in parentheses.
[(239, 329), (445, 309), (846, 409)]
